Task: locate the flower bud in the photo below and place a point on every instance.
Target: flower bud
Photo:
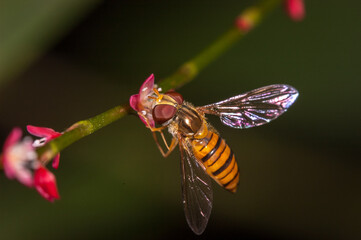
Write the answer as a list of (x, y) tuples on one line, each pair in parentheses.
[(45, 184)]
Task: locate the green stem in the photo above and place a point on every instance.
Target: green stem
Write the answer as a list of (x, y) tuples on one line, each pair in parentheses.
[(80, 130), (191, 68), (183, 75)]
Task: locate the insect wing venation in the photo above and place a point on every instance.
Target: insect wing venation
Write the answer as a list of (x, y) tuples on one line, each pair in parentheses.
[(253, 108), (196, 191)]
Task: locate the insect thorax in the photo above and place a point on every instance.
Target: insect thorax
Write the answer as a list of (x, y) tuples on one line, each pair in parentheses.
[(188, 120)]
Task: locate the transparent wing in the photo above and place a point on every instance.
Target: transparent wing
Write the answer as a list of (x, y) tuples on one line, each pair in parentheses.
[(253, 108), (196, 190)]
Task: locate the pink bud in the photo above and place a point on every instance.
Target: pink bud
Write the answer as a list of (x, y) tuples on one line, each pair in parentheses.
[(248, 19), (243, 24), (45, 184), (295, 9)]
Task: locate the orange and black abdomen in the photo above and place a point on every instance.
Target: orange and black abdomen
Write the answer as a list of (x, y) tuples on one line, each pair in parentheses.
[(218, 159)]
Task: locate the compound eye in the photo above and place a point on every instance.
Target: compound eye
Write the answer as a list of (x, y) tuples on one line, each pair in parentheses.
[(162, 113), (176, 96)]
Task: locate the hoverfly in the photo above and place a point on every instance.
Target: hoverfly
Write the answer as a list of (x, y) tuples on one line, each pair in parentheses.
[(204, 154)]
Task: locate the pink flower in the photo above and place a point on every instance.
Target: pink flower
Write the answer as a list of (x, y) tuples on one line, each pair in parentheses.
[(45, 184), (295, 9), (46, 135), (141, 103), (20, 161), (19, 158)]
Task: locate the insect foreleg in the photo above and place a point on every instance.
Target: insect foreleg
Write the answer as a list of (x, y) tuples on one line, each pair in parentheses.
[(165, 141), (148, 124), (172, 146)]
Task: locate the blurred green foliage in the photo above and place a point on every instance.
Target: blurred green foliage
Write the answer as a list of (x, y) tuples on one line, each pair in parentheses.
[(300, 175), (28, 28)]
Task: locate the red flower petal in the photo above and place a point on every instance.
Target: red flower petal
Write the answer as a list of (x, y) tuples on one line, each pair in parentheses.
[(12, 139), (56, 160), (45, 184), (147, 85), (26, 179), (48, 133), (151, 122), (140, 102), (134, 102), (295, 9)]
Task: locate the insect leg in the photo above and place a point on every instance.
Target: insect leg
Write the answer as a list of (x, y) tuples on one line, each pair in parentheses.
[(170, 148), (148, 124), (165, 141)]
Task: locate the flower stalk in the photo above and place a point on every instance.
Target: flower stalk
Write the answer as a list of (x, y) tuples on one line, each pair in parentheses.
[(191, 68), (252, 16), (81, 129)]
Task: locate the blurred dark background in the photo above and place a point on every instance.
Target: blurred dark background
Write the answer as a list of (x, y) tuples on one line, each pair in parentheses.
[(62, 61)]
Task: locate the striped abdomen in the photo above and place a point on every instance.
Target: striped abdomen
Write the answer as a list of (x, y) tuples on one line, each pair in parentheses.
[(218, 159)]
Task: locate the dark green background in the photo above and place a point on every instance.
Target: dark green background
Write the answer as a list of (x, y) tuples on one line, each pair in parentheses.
[(300, 175)]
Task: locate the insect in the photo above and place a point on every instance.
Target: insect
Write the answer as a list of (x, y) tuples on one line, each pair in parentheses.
[(204, 154)]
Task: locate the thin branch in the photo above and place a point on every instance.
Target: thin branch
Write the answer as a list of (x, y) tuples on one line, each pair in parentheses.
[(183, 75), (191, 68), (80, 130)]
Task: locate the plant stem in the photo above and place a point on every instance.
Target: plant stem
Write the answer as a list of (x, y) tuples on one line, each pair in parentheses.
[(80, 130), (191, 68), (183, 75)]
